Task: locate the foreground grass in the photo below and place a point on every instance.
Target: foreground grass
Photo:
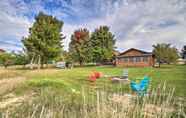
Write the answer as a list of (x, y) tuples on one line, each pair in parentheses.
[(60, 91), (51, 103)]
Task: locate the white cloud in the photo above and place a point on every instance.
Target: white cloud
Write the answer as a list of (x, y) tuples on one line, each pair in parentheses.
[(12, 29), (140, 24), (13, 25), (149, 31), (136, 23)]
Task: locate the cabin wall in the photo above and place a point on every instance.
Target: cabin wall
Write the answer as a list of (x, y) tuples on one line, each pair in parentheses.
[(147, 63), (135, 58)]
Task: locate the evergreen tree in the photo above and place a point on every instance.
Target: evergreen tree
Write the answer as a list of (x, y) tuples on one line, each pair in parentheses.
[(102, 42), (44, 40), (79, 47)]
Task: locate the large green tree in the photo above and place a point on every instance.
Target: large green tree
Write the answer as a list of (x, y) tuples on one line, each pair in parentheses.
[(103, 44), (79, 47), (44, 42), (165, 53)]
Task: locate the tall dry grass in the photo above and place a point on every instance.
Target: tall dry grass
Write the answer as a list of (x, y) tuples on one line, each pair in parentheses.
[(158, 103), (7, 73), (9, 84)]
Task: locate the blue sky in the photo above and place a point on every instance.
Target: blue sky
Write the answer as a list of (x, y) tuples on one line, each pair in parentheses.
[(135, 23)]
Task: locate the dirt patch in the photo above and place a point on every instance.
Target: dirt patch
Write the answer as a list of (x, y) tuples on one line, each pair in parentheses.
[(150, 110), (125, 99)]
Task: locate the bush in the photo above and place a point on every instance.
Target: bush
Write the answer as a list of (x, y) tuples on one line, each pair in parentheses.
[(6, 59)]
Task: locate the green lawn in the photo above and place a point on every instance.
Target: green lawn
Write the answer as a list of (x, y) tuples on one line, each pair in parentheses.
[(76, 78)]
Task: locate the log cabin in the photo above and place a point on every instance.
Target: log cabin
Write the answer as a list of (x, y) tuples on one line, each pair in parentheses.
[(135, 58)]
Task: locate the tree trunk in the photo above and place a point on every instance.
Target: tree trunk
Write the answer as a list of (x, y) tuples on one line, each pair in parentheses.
[(46, 62), (42, 63), (159, 65), (81, 63), (31, 62), (159, 62), (24, 66), (5, 66), (39, 62)]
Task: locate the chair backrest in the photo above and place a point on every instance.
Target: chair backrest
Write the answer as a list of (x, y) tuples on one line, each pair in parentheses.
[(125, 72), (140, 88), (133, 86), (145, 80), (144, 83)]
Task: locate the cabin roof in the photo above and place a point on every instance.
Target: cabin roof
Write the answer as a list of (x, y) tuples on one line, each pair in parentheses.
[(144, 52)]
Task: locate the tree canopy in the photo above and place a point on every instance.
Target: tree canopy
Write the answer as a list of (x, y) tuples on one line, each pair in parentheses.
[(44, 41), (165, 53), (80, 47), (103, 44)]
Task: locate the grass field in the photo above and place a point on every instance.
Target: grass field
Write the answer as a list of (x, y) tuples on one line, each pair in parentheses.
[(66, 82), (174, 76)]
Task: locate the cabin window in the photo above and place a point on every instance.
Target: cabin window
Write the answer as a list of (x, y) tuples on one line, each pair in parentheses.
[(131, 59), (138, 59), (145, 59), (120, 59), (125, 59), (134, 59)]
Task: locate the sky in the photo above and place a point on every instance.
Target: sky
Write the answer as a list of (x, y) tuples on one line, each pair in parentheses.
[(135, 23)]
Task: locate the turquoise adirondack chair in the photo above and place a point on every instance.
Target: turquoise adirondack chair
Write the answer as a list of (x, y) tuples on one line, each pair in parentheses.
[(141, 87)]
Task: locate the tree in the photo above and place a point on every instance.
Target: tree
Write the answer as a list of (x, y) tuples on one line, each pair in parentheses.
[(102, 42), (6, 59), (67, 56), (172, 55), (44, 42), (79, 47), (164, 53)]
